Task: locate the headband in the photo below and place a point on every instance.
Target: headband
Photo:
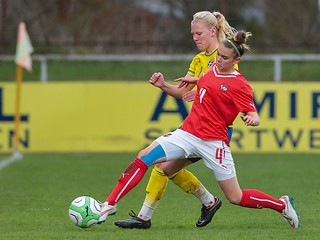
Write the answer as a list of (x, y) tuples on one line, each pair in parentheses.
[(234, 46)]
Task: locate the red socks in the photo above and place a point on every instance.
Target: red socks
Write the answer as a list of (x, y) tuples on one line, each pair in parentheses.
[(128, 180), (252, 198)]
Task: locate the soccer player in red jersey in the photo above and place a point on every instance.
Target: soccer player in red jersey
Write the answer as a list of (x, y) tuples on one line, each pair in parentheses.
[(208, 30), (222, 93)]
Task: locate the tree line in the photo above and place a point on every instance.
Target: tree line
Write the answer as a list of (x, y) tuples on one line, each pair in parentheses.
[(155, 26)]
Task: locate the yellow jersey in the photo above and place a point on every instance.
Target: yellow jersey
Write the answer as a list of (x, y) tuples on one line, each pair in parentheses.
[(202, 62)]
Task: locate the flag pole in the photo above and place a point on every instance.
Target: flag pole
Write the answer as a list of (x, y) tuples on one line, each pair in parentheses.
[(17, 109), (23, 60)]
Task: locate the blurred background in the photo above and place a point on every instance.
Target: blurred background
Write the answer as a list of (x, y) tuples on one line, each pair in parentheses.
[(155, 26), (91, 56), (130, 39)]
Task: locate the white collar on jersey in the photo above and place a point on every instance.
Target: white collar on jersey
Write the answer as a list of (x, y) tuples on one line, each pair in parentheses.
[(228, 75)]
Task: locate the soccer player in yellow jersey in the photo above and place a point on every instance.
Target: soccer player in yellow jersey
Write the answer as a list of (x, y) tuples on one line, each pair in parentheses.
[(208, 31)]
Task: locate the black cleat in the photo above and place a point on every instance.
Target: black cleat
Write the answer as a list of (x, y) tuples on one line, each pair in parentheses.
[(134, 222), (208, 213)]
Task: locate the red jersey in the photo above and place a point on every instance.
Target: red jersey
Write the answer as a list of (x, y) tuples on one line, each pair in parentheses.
[(219, 99)]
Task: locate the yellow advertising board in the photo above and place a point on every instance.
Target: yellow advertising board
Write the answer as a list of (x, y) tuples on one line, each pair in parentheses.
[(127, 116)]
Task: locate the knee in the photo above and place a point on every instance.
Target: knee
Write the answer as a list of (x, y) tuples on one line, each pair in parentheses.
[(167, 169), (162, 167), (234, 199), (142, 153), (173, 167)]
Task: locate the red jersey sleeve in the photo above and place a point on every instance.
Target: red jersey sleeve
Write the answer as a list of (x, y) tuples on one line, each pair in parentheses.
[(244, 98)]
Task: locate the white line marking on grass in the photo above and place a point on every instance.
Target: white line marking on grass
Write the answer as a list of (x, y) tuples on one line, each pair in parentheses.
[(7, 161)]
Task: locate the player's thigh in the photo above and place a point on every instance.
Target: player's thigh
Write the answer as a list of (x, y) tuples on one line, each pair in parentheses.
[(152, 154), (173, 167), (231, 190)]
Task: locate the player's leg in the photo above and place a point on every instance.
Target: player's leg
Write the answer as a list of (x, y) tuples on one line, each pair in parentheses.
[(135, 171), (191, 184), (223, 167), (156, 187), (181, 177), (154, 191), (132, 175), (169, 148), (252, 198)]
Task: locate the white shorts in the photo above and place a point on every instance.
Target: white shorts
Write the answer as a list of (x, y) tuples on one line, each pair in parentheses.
[(216, 154)]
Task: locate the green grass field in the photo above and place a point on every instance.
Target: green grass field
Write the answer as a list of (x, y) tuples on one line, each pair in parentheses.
[(37, 190)]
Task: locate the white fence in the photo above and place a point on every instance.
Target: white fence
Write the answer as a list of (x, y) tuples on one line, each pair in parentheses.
[(276, 58)]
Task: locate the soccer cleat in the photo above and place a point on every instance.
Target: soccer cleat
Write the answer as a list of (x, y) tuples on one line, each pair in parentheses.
[(106, 210), (134, 222), (208, 213), (289, 213)]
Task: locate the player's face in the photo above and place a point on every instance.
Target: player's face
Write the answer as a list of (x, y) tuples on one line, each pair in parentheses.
[(225, 60), (201, 34)]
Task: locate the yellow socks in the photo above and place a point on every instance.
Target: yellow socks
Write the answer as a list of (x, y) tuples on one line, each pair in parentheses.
[(156, 186), (191, 184)]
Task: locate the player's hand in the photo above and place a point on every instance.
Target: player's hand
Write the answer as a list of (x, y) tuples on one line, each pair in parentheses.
[(185, 81), (189, 96), (157, 79), (250, 119)]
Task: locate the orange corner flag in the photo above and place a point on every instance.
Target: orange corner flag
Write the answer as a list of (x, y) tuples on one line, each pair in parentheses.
[(24, 48)]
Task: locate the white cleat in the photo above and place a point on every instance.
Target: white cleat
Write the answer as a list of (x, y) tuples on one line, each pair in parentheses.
[(289, 213), (106, 210)]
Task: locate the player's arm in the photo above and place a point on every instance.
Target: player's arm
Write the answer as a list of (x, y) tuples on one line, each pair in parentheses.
[(173, 90)]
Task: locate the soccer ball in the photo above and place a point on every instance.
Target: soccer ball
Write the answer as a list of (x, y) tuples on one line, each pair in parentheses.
[(84, 211)]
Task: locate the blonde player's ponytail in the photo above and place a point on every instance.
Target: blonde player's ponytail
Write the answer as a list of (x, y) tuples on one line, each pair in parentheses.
[(217, 20)]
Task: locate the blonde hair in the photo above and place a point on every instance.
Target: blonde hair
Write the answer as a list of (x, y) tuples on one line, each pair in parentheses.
[(217, 20)]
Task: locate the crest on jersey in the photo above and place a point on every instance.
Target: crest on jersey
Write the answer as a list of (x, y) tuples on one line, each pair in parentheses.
[(211, 61), (223, 87)]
